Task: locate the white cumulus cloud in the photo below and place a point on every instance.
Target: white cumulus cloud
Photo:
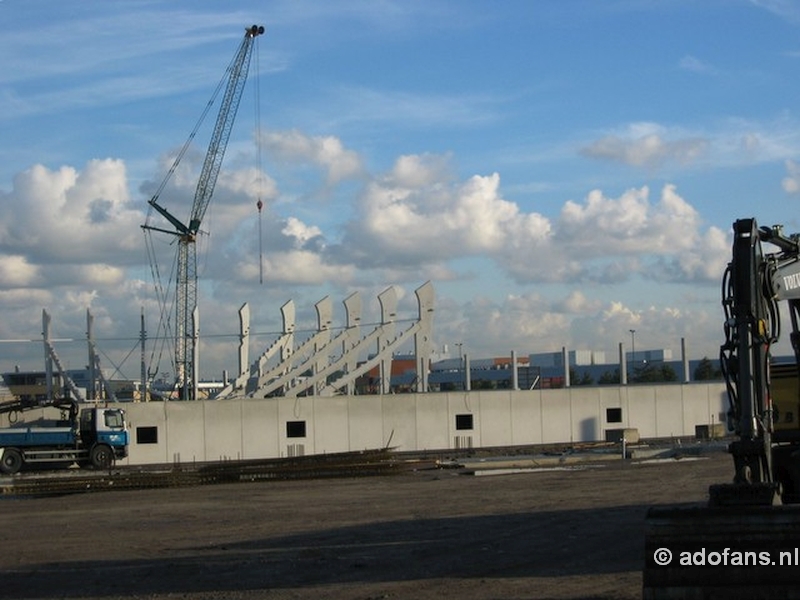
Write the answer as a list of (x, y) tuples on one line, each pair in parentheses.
[(327, 152), (646, 145), (791, 183)]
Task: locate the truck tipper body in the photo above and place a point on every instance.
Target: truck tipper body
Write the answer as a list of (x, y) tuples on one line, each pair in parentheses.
[(92, 436)]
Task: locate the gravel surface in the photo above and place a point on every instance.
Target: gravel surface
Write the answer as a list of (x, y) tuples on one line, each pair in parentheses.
[(557, 534)]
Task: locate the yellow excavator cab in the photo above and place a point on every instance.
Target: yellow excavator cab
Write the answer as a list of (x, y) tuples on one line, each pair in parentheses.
[(785, 391)]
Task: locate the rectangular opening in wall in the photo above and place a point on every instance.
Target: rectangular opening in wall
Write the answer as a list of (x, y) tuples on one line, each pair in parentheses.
[(462, 442), (464, 422), (613, 415), (147, 435), (295, 429), (295, 450)]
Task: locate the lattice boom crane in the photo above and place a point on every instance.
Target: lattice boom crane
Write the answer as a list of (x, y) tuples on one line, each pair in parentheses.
[(186, 233)]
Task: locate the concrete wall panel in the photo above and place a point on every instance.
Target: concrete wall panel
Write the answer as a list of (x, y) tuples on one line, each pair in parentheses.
[(526, 417), (704, 405), (331, 430), (365, 423), (433, 421), (556, 416), (495, 419), (185, 435), (640, 410), (147, 416), (292, 412), (669, 411), (223, 430), (251, 428), (260, 428), (459, 406), (584, 416), (399, 421)]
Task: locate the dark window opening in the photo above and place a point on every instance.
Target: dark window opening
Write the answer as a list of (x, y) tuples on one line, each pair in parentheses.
[(295, 429), (614, 415), (463, 422), (147, 435)]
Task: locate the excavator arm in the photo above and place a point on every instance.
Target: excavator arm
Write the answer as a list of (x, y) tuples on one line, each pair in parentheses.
[(757, 511), (753, 284)]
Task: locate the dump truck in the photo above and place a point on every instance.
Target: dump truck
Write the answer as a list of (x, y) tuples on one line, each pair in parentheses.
[(745, 542), (87, 435)]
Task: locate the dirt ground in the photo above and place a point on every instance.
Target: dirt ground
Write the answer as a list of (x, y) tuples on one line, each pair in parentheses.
[(428, 534)]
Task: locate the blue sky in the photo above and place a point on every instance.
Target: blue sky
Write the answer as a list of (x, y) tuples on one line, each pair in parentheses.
[(562, 171)]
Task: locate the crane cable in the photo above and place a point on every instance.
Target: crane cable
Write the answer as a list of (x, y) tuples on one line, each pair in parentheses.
[(259, 161), (192, 135), (163, 302)]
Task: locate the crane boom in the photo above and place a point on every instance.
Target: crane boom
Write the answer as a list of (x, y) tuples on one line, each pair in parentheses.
[(222, 128), (186, 292)]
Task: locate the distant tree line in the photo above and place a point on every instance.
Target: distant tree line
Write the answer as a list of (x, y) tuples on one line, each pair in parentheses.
[(648, 372), (706, 370)]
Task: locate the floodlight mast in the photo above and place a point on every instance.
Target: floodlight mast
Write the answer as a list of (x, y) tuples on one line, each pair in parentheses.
[(186, 292)]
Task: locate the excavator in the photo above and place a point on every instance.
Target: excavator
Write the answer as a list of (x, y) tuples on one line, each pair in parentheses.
[(745, 542)]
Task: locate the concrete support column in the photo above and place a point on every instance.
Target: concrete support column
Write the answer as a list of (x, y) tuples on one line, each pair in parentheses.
[(565, 360), (623, 365), (244, 339), (48, 361), (352, 307), (422, 338), (323, 337), (514, 374), (467, 378), (288, 313), (388, 301), (685, 361)]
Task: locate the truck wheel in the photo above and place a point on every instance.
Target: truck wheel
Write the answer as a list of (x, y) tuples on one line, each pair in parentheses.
[(102, 456), (11, 462)]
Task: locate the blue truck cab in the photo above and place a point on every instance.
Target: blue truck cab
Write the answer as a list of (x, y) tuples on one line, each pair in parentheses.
[(93, 436), (105, 426)]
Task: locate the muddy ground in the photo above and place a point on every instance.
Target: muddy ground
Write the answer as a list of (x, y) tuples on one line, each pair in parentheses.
[(419, 535)]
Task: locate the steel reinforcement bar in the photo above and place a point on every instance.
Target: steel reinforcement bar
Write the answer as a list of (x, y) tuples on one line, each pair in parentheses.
[(348, 464)]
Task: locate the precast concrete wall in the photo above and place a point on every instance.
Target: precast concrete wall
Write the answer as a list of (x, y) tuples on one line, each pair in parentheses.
[(174, 432), (239, 429)]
